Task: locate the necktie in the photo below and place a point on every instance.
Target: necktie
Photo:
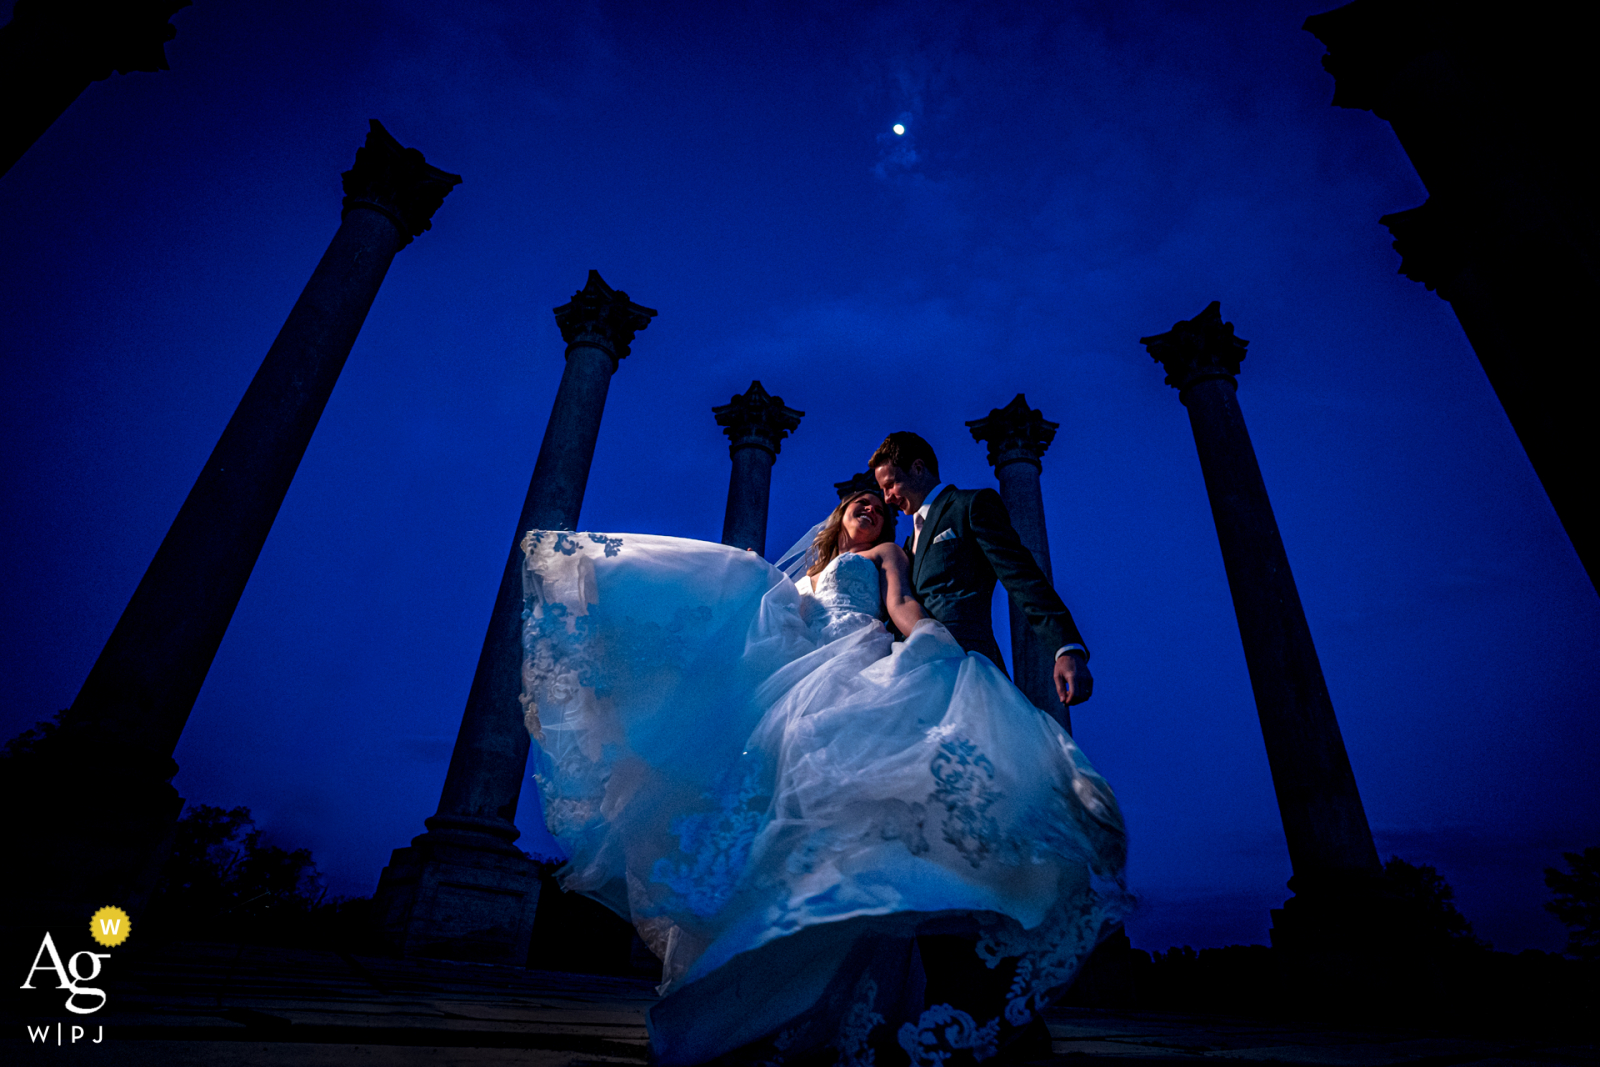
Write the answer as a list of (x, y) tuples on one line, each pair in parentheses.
[(916, 530)]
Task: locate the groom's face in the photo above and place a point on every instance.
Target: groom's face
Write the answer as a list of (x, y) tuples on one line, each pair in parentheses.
[(904, 489)]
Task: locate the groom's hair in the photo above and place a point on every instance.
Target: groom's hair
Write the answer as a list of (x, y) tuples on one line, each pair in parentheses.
[(903, 448)]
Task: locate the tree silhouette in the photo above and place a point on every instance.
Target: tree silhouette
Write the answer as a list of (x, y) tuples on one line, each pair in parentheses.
[(1429, 917), (223, 881), (220, 865), (1577, 901), (35, 740)]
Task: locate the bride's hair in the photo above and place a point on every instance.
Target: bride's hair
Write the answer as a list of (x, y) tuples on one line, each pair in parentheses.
[(826, 546)]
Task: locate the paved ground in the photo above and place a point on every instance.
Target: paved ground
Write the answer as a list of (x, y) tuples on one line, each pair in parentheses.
[(227, 1006)]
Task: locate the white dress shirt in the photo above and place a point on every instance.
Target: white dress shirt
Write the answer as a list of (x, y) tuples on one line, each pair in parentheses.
[(920, 516)]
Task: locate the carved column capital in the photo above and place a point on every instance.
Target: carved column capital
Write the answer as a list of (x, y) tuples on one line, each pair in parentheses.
[(602, 317), (1370, 46), (1015, 433), (857, 483), (1199, 349), (92, 38), (396, 181), (1432, 240), (756, 420)]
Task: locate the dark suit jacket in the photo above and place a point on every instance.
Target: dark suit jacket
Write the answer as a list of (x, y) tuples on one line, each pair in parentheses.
[(954, 577)]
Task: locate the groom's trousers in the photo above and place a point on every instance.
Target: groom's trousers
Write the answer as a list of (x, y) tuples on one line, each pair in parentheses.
[(976, 635)]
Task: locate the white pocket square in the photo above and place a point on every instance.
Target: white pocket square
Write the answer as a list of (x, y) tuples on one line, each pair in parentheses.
[(945, 535)]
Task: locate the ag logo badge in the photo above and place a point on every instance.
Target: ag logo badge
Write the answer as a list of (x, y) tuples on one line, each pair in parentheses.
[(109, 926)]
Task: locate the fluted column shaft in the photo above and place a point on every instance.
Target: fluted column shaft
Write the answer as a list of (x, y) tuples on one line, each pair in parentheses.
[(484, 782), (1032, 664), (144, 684), (126, 720), (1323, 819), (1018, 437), (141, 689), (462, 890), (756, 424), (744, 522), (1494, 113)]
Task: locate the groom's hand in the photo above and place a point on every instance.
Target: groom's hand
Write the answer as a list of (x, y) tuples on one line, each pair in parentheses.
[(1074, 683)]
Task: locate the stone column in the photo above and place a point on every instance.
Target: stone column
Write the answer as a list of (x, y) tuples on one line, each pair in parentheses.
[(1495, 110), (52, 49), (858, 483), (1336, 870), (122, 729), (756, 425), (1017, 437), (462, 890)]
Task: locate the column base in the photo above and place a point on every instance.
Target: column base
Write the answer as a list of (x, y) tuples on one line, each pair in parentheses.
[(86, 831), (1350, 941), (459, 895)]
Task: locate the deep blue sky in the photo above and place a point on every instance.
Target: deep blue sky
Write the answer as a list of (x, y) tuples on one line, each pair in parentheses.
[(1070, 180)]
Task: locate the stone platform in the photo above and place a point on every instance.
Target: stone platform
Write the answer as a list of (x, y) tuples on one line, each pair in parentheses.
[(248, 1006)]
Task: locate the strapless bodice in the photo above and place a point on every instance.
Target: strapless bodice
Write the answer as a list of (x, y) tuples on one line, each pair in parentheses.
[(847, 586)]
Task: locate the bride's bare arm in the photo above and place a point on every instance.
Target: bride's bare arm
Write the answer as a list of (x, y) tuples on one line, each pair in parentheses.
[(904, 611)]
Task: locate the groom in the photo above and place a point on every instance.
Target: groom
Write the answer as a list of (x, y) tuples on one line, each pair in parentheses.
[(962, 543)]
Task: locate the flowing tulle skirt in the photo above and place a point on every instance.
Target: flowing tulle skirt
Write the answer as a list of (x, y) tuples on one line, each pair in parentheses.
[(784, 802)]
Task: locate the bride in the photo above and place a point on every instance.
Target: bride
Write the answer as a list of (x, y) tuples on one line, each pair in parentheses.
[(843, 848)]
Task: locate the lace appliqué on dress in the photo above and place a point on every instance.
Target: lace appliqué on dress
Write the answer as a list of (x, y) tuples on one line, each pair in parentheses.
[(904, 823), (566, 670), (858, 1023), (1050, 954), (648, 645), (963, 774), (942, 1031), (719, 842), (558, 585), (611, 545)]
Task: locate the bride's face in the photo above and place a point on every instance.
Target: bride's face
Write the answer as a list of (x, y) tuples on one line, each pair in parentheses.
[(863, 522)]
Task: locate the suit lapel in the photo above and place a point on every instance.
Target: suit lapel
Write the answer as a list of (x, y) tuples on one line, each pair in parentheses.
[(930, 529)]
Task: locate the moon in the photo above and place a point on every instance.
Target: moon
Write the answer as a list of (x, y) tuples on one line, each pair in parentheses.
[(899, 129)]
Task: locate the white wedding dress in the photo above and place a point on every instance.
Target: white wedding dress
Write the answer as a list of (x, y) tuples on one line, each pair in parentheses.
[(781, 798)]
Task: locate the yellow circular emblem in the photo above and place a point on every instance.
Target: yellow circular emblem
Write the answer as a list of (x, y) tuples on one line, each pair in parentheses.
[(110, 926)]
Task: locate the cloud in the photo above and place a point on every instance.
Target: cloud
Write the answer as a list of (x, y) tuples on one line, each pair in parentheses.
[(897, 152)]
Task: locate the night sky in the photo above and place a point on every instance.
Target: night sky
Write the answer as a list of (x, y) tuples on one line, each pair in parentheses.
[(1072, 177)]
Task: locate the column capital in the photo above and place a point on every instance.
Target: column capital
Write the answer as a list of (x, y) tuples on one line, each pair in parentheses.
[(756, 420), (1015, 433), (602, 317), (97, 38), (1198, 349), (1370, 45), (1433, 241), (396, 181), (857, 483)]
